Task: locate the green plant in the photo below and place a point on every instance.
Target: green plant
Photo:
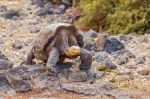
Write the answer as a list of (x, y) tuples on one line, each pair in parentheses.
[(116, 16)]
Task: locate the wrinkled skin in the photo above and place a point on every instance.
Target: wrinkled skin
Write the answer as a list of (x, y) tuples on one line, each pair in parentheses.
[(67, 43)]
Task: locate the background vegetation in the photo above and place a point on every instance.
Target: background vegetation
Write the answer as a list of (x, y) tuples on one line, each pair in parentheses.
[(115, 16)]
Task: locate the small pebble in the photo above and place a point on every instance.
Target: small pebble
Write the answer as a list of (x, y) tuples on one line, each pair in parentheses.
[(144, 72), (17, 45)]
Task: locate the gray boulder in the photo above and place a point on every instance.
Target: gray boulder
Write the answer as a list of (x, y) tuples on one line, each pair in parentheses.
[(104, 58), (5, 86), (141, 60), (5, 64), (49, 9), (2, 56), (78, 77), (90, 40), (20, 85), (123, 56), (113, 44), (11, 14)]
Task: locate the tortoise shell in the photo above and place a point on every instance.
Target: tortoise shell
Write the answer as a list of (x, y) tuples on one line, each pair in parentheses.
[(46, 39)]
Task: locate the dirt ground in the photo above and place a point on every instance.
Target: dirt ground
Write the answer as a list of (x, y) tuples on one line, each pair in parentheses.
[(14, 30)]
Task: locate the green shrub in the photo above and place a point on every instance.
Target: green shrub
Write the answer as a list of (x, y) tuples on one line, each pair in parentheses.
[(116, 16)]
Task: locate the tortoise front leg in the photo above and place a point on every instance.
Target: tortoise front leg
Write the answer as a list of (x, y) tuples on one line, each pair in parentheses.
[(52, 61), (30, 57), (80, 40), (86, 60)]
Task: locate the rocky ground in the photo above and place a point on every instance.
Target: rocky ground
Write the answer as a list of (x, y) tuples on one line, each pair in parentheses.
[(121, 64)]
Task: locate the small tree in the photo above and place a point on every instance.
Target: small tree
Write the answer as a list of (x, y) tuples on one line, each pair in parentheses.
[(116, 16)]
